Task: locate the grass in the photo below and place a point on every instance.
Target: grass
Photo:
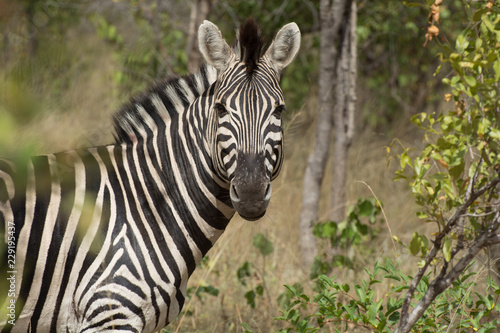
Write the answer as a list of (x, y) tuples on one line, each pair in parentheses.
[(73, 109)]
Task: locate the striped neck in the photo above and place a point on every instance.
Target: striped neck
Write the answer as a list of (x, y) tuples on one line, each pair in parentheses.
[(172, 126)]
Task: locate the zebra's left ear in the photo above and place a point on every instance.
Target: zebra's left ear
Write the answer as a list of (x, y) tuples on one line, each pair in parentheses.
[(284, 47), (213, 46)]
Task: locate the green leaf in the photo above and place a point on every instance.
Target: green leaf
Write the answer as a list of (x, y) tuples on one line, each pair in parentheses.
[(404, 160), (477, 16), (447, 248), (292, 289), (246, 328), (328, 229), (366, 208), (400, 288), (243, 272), (496, 68), (488, 24), (470, 80), (264, 245), (250, 297), (373, 309), (392, 276), (415, 244), (419, 118), (461, 43), (422, 215), (210, 290), (394, 318), (360, 292)]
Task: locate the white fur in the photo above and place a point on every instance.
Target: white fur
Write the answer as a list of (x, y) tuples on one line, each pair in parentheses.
[(213, 46), (284, 47)]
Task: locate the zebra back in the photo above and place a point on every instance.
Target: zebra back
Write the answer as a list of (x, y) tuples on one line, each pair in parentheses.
[(144, 114)]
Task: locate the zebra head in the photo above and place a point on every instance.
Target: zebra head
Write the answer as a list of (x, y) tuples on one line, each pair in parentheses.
[(248, 104)]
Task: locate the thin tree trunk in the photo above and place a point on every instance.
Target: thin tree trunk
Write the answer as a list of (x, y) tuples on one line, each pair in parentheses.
[(200, 9), (343, 117), (331, 17)]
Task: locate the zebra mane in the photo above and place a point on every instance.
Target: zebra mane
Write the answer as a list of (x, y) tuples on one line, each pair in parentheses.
[(250, 44), (146, 112)]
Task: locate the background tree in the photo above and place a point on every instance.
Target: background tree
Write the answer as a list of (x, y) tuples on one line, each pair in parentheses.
[(345, 104), (337, 98), (200, 9)]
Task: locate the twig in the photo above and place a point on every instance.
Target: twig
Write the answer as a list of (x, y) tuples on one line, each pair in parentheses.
[(443, 281), (470, 197), (440, 283), (383, 213)]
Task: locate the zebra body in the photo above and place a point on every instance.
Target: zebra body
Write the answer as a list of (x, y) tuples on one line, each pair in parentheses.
[(107, 237)]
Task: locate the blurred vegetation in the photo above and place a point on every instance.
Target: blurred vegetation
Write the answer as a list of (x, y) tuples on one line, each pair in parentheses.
[(148, 39)]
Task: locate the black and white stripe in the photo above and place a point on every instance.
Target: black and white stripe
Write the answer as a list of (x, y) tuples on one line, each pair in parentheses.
[(107, 237)]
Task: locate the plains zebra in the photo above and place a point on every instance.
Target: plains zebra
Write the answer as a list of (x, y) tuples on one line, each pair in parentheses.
[(105, 238)]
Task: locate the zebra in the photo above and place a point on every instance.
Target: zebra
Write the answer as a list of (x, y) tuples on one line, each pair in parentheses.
[(105, 238)]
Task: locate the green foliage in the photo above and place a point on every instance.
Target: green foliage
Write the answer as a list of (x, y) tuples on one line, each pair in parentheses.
[(36, 67), (285, 298), (250, 276), (461, 156), (201, 290), (393, 64), (158, 52), (342, 306), (107, 31), (352, 231), (264, 245)]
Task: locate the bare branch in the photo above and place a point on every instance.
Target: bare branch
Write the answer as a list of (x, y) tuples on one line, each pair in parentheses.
[(442, 282), (470, 197)]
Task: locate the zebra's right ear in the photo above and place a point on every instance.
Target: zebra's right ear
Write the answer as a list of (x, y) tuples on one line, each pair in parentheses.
[(213, 46)]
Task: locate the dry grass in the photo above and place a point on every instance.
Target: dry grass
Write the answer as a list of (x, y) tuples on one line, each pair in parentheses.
[(80, 115)]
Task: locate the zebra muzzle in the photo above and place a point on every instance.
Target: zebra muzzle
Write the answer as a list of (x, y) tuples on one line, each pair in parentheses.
[(250, 199)]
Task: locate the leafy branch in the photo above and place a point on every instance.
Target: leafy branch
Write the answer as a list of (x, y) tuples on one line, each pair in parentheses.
[(467, 187)]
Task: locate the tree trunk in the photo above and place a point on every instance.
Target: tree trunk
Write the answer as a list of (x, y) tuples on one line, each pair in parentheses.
[(199, 12), (345, 105), (331, 13)]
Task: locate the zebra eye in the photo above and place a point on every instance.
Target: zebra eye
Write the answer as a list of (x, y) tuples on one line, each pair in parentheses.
[(279, 111), (220, 109)]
